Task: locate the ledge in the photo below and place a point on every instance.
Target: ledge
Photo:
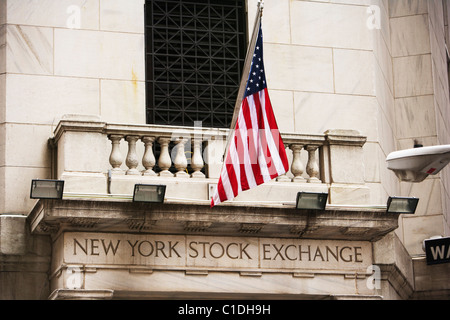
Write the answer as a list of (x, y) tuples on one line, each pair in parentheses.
[(345, 138), (68, 294), (338, 223), (83, 123)]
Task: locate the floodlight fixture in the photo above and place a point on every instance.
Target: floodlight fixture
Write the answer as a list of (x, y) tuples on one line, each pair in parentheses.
[(46, 189), (149, 193), (311, 201), (402, 205)]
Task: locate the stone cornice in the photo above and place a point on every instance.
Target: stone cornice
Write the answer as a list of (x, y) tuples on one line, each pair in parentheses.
[(55, 216)]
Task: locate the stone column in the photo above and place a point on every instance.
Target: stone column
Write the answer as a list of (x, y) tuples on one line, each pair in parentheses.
[(297, 167), (180, 161), (164, 161), (197, 160), (283, 177), (148, 160), (312, 168), (132, 160), (115, 159)]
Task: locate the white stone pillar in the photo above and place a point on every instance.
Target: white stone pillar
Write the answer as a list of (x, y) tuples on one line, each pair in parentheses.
[(164, 161), (132, 160), (148, 160), (297, 167), (312, 168), (284, 177), (115, 159), (180, 160), (197, 160)]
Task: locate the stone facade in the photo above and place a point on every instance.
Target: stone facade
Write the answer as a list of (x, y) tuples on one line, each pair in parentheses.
[(350, 82)]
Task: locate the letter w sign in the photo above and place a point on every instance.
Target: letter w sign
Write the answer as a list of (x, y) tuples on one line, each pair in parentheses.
[(437, 250)]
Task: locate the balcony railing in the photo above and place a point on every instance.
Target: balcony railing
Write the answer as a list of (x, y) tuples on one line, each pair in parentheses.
[(87, 147)]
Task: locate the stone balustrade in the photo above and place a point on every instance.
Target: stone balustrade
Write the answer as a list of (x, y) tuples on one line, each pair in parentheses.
[(165, 161), (182, 152), (188, 152), (90, 147)]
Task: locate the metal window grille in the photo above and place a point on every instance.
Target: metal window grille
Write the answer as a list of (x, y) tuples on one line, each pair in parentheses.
[(195, 52)]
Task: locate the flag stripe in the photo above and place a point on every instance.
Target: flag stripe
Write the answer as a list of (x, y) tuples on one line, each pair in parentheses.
[(272, 135), (233, 170), (264, 153), (250, 117), (276, 134), (248, 178)]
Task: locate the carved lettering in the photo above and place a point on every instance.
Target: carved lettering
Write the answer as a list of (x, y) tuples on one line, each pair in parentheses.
[(92, 246), (335, 253), (358, 254), (160, 248), (288, 256), (243, 251), (204, 248), (217, 250), (76, 244), (347, 258), (178, 251), (172, 249), (145, 248), (132, 246), (318, 254), (228, 251), (266, 251), (278, 253), (219, 253), (193, 249), (110, 247), (300, 251)]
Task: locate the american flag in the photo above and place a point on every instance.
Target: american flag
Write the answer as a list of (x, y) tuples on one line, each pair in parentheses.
[(256, 152)]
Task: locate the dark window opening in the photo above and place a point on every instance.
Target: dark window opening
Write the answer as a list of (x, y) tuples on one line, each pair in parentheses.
[(195, 52)]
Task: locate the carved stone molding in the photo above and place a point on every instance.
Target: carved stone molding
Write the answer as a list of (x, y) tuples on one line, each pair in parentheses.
[(250, 228), (83, 222), (47, 228), (51, 216), (197, 226), (139, 224)]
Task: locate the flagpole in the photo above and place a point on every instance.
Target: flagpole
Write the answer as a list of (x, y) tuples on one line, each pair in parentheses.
[(245, 73)]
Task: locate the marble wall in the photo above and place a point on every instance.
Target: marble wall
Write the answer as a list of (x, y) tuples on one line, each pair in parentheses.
[(63, 57), (375, 66), (421, 107), (329, 66)]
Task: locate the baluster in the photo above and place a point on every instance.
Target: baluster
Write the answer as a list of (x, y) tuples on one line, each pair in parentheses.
[(115, 159), (283, 178), (197, 160), (148, 160), (132, 160), (164, 161), (180, 161), (312, 168), (297, 167)]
